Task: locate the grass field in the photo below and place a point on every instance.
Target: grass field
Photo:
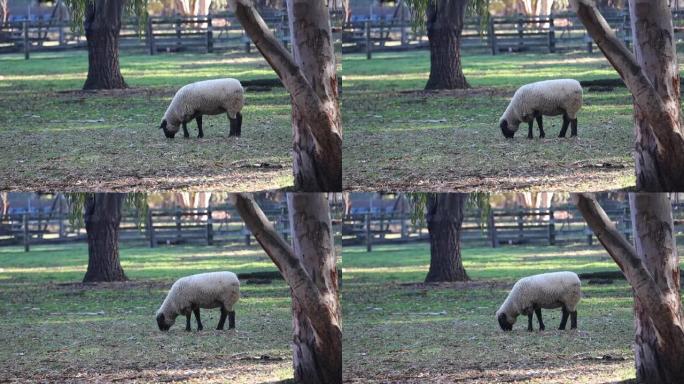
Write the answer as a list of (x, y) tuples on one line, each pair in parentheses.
[(398, 136), (398, 330), (58, 330), (54, 136)]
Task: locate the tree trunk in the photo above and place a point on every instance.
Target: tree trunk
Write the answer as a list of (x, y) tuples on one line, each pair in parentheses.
[(309, 268), (652, 269), (444, 26), (652, 76), (102, 217), (309, 75), (102, 25), (659, 356), (444, 218)]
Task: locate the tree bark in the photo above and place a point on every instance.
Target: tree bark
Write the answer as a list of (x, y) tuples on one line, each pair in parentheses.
[(652, 269), (444, 26), (309, 268), (102, 217), (444, 218), (652, 76), (309, 75), (102, 25)]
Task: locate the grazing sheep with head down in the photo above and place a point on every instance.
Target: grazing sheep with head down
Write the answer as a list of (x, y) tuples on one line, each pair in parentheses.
[(205, 290), (547, 290), (549, 98), (208, 97)]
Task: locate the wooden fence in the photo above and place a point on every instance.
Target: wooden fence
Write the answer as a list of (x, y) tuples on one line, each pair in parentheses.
[(555, 33), (213, 226), (555, 226)]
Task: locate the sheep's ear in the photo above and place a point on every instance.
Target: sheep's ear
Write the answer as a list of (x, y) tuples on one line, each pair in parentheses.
[(163, 124)]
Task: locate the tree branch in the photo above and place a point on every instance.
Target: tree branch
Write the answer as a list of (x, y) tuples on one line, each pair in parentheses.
[(625, 63), (304, 290), (624, 254)]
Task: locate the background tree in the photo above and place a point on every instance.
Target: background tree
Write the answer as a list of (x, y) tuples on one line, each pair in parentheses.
[(4, 11), (651, 74), (443, 20), (309, 75), (101, 214), (309, 268), (102, 23), (652, 269)]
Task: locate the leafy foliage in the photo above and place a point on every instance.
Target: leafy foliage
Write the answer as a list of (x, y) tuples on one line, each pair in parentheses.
[(476, 200), (135, 200), (131, 7), (419, 10)]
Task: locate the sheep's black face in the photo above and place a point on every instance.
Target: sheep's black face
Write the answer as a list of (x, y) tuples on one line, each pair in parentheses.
[(507, 132), (161, 322), (169, 133), (503, 323)]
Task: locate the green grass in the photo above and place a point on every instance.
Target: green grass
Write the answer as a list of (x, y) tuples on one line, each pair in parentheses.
[(450, 139), (58, 330), (400, 330), (54, 136)]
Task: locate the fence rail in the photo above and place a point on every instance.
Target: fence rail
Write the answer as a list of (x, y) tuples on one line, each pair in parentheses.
[(554, 226), (554, 33)]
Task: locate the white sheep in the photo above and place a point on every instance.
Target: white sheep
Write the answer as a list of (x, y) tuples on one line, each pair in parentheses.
[(549, 98), (547, 290), (208, 97), (205, 290)]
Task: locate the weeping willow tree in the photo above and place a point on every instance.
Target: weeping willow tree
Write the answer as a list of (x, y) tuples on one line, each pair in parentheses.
[(443, 21), (444, 214), (101, 21), (101, 214)]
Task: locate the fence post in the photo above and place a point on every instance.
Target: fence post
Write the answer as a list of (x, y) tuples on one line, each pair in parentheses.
[(40, 32), (248, 46), (625, 25), (590, 43), (150, 229), (552, 35), (492, 36), (248, 238), (210, 36), (404, 233), (521, 37), (210, 227), (382, 32), (61, 33), (27, 233), (369, 234), (520, 226), (178, 223), (492, 229), (402, 20), (150, 37), (589, 235), (178, 32), (27, 42), (369, 42), (552, 227)]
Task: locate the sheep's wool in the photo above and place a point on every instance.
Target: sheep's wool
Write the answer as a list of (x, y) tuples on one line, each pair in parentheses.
[(207, 290), (547, 290), (208, 97), (549, 97)]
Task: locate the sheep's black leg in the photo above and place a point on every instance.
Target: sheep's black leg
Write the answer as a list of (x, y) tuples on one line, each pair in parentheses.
[(222, 320), (573, 320), (235, 125), (529, 321), (564, 129), (573, 127), (185, 130), (197, 317), (539, 318), (541, 126), (239, 123), (564, 319), (187, 322), (199, 126), (529, 132), (231, 319)]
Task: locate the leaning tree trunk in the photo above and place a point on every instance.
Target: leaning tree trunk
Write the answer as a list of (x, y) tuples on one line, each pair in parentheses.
[(652, 269), (102, 25), (309, 268), (444, 218), (309, 75), (652, 76), (102, 217), (444, 26)]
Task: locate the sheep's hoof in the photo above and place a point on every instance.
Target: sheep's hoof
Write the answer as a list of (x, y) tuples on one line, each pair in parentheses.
[(188, 329), (530, 137), (200, 136)]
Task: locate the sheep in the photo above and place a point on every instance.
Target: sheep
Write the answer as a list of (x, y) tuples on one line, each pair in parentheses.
[(550, 98), (547, 290), (208, 97), (205, 290)]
